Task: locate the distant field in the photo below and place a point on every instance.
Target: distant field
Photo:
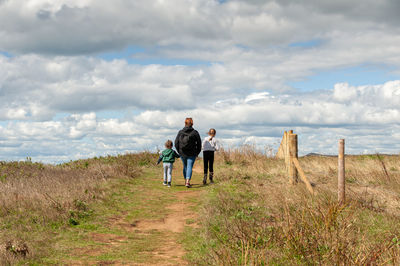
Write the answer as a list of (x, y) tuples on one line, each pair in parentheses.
[(250, 216)]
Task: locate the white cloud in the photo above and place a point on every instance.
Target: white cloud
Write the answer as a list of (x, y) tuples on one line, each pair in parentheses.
[(319, 108), (256, 96), (260, 122), (343, 93), (82, 27), (37, 88), (385, 96), (319, 118), (248, 51), (113, 127)]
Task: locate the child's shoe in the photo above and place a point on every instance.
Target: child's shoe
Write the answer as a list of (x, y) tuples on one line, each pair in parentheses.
[(169, 184), (211, 177), (205, 179), (187, 183), (164, 183)]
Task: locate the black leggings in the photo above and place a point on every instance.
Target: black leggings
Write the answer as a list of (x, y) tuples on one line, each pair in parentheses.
[(208, 159)]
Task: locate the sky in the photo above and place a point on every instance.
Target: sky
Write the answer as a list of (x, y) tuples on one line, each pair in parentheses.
[(84, 78)]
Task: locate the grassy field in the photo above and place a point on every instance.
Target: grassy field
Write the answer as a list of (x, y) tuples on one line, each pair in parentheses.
[(255, 217), (114, 210)]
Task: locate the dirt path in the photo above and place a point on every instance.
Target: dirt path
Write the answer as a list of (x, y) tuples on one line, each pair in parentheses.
[(170, 251), (142, 224), (178, 214)]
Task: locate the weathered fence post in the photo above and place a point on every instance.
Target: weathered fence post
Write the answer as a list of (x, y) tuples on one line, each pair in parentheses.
[(303, 176), (341, 173), (293, 154), (285, 141), (288, 150), (282, 148)]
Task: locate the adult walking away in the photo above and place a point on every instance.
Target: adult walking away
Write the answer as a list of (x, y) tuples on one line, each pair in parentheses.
[(188, 145), (210, 145)]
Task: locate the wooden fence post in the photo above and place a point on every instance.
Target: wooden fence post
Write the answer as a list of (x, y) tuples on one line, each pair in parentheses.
[(292, 145), (289, 151), (341, 173), (287, 154), (303, 176), (285, 148)]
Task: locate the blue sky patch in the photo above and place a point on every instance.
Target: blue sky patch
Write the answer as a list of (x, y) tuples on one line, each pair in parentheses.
[(4, 123), (128, 54), (122, 54), (60, 116), (307, 44), (355, 76), (111, 114), (6, 54)]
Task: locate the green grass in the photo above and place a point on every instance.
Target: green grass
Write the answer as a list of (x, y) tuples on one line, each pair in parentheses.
[(139, 198), (130, 199), (250, 216), (70, 225)]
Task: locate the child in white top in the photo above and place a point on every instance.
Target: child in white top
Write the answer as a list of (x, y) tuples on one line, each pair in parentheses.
[(209, 146)]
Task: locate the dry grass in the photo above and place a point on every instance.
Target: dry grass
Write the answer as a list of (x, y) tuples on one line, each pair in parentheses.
[(256, 218), (252, 216), (37, 199)]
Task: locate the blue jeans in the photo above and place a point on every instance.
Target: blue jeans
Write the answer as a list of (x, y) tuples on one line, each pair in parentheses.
[(168, 171), (188, 163)]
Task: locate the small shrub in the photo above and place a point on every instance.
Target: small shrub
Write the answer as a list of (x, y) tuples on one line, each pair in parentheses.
[(73, 221)]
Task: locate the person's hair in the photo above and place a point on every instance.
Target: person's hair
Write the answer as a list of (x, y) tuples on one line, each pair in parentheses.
[(169, 144), (212, 130), (188, 122)]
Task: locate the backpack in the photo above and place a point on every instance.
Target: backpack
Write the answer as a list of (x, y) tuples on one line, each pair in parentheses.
[(186, 143)]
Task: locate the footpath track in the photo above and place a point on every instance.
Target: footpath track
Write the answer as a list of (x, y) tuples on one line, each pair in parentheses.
[(141, 224)]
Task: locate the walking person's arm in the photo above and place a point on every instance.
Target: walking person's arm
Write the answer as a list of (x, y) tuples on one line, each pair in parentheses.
[(198, 143), (160, 159), (176, 155), (216, 145), (177, 141)]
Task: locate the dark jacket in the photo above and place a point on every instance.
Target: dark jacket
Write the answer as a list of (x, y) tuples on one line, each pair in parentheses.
[(168, 156), (193, 147)]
